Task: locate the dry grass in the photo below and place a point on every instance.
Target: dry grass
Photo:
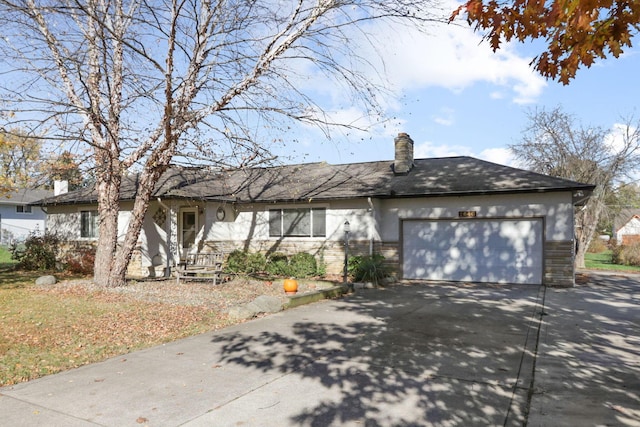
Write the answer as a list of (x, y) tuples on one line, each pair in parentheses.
[(47, 330)]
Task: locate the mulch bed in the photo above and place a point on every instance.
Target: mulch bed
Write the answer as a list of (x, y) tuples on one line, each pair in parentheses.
[(220, 297)]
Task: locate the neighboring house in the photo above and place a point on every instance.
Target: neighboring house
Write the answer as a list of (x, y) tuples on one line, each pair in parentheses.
[(457, 218), (626, 227), (18, 218)]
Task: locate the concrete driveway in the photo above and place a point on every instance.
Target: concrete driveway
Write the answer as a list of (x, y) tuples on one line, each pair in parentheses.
[(408, 355)]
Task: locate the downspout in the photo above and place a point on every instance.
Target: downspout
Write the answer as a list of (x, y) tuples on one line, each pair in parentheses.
[(371, 223), (167, 269)]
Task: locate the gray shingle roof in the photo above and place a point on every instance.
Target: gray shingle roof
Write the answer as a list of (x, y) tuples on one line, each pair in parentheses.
[(623, 217), (24, 196), (322, 181)]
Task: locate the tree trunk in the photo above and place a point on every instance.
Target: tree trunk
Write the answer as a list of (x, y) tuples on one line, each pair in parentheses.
[(587, 223), (123, 254), (108, 208), (579, 261)]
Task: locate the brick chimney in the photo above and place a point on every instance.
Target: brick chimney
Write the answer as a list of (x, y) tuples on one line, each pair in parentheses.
[(404, 154)]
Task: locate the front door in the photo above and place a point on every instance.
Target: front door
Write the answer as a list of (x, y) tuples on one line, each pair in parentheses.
[(188, 231)]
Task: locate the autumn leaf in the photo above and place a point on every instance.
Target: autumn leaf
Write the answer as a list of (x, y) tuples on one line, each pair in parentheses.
[(576, 31)]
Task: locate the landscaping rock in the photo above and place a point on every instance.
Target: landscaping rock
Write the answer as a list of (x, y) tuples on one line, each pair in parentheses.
[(266, 304), (262, 304), (46, 280), (364, 285), (241, 312)]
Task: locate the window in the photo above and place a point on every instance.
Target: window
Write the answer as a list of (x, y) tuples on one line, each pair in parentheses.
[(297, 222), (89, 224), (23, 209)]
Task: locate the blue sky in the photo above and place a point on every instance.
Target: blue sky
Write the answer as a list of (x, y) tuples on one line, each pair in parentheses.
[(454, 96)]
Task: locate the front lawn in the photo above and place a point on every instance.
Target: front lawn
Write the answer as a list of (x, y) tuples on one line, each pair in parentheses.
[(47, 329), (5, 258), (602, 261), (43, 331)]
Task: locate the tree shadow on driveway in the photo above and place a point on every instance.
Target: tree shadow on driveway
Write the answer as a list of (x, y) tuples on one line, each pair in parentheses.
[(588, 367), (406, 355)]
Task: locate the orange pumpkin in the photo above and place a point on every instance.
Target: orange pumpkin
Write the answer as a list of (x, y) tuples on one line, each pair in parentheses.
[(290, 286)]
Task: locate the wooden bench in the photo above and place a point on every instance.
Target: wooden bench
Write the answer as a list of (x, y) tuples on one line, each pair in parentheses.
[(205, 266)]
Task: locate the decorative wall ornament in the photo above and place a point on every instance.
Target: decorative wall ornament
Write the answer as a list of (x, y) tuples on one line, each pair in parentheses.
[(160, 217)]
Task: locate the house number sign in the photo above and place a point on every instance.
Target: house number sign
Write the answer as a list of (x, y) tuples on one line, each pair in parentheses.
[(467, 214)]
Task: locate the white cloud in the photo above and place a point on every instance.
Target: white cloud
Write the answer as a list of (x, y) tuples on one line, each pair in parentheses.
[(407, 61), (445, 117), (429, 149), (450, 56), (618, 136), (501, 156), (455, 57)]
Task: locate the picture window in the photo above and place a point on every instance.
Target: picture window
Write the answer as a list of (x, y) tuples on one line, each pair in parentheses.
[(305, 222)]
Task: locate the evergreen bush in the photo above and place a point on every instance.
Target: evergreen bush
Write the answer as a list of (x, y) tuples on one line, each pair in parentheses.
[(302, 265), (256, 263), (243, 262), (278, 265), (236, 261)]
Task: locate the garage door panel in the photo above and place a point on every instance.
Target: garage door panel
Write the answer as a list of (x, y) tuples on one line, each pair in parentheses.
[(503, 251)]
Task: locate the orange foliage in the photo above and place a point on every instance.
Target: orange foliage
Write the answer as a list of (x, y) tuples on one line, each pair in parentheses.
[(576, 31)]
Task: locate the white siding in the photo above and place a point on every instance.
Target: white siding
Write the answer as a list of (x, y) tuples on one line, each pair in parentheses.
[(252, 221), (17, 226), (631, 228), (555, 208)]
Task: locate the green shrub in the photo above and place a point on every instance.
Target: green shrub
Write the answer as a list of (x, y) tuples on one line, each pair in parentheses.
[(243, 262), (303, 264), (256, 263), (626, 254), (321, 267), (352, 264), (38, 252), (278, 265), (237, 261), (368, 268)]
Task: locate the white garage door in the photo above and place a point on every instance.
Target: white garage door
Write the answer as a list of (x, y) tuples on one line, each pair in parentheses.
[(497, 251)]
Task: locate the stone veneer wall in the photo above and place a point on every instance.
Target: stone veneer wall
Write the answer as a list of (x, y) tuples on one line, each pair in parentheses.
[(135, 268), (558, 264), (391, 253), (331, 253)]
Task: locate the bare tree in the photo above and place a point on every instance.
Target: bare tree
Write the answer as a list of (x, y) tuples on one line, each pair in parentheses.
[(556, 144), (144, 83)]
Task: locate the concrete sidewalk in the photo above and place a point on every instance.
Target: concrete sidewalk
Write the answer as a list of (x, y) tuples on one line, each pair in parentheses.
[(405, 355)]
